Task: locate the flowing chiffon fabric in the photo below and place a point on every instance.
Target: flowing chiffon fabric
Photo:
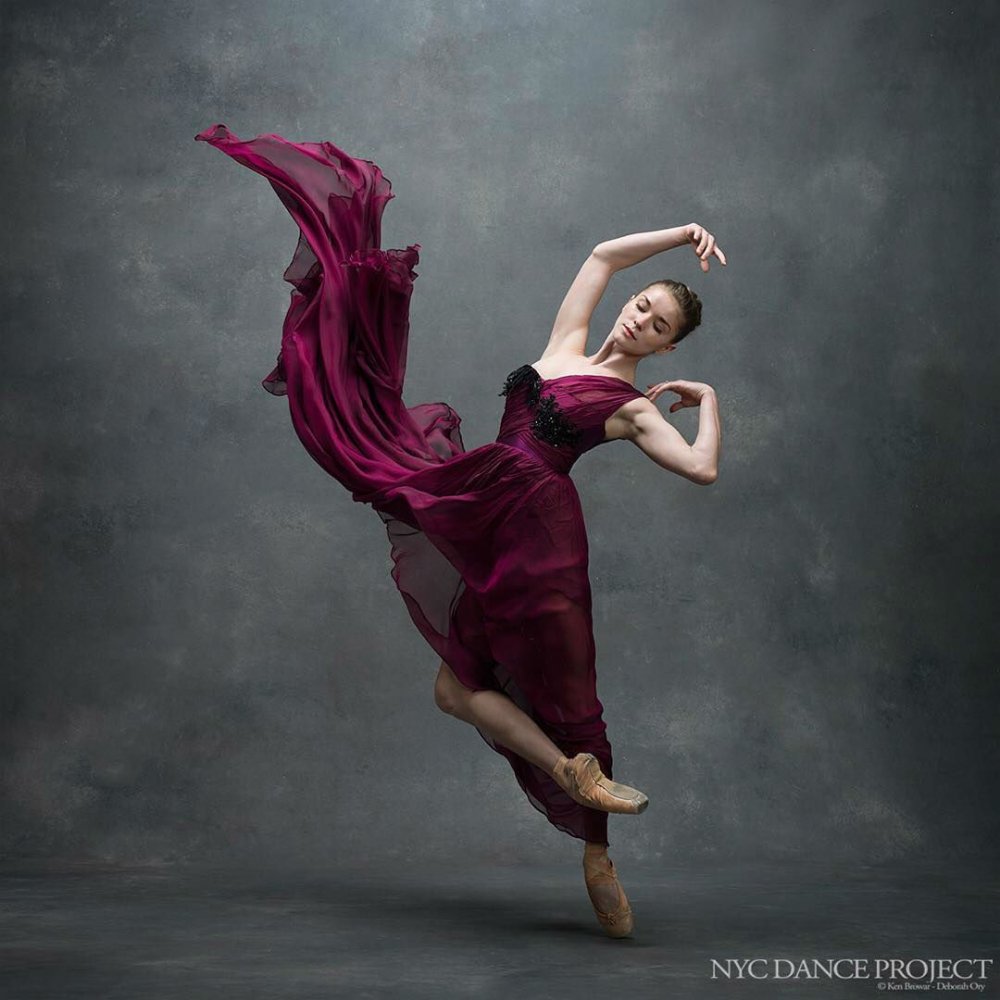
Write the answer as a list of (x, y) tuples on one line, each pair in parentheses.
[(489, 546)]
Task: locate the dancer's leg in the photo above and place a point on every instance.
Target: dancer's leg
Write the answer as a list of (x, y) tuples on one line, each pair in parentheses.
[(497, 716), (505, 722), (606, 894)]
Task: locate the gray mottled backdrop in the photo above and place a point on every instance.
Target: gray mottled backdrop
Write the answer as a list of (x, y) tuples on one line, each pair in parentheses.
[(204, 653)]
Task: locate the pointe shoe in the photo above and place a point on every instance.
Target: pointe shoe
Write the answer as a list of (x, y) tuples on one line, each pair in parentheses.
[(582, 779), (619, 923)]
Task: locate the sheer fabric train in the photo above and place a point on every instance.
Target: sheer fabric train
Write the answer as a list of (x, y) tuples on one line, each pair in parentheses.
[(489, 546)]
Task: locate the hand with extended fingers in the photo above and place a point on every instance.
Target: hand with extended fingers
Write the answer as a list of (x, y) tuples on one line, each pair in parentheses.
[(691, 393), (704, 244)]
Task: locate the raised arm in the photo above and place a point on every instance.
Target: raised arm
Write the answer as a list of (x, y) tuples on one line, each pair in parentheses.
[(645, 427), (628, 250), (572, 322)]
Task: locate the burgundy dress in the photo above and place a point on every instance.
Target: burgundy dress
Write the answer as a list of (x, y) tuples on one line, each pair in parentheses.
[(489, 546)]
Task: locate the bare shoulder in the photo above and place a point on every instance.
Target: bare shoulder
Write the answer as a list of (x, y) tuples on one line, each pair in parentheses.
[(558, 363), (555, 363), (626, 422)]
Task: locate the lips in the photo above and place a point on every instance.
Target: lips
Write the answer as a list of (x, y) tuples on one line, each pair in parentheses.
[(629, 332)]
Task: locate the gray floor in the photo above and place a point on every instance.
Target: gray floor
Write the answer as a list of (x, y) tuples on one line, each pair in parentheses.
[(90, 930)]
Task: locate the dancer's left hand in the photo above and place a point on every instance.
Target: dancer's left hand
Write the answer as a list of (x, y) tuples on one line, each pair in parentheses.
[(690, 392)]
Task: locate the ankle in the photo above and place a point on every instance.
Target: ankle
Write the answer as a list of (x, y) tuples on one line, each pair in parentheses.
[(594, 850)]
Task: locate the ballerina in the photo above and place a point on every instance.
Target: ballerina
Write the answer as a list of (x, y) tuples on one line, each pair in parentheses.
[(488, 546), (653, 321)]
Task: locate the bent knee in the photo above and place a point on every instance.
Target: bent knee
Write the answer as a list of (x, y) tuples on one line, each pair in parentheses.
[(449, 692)]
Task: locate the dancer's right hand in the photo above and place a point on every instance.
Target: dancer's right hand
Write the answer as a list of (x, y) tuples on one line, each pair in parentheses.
[(704, 244)]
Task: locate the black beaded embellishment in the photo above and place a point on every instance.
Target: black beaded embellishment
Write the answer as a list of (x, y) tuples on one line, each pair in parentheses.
[(550, 423), (526, 374)]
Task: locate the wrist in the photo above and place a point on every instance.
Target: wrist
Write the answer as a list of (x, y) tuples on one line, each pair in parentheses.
[(680, 236)]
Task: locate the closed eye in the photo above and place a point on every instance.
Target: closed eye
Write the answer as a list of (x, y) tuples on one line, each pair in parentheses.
[(658, 329)]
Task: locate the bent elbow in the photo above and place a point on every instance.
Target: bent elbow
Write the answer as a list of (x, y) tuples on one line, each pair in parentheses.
[(704, 477)]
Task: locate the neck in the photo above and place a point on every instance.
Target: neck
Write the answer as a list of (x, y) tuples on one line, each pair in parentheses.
[(615, 360)]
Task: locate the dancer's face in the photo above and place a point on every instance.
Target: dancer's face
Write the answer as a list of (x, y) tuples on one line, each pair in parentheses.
[(655, 318)]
